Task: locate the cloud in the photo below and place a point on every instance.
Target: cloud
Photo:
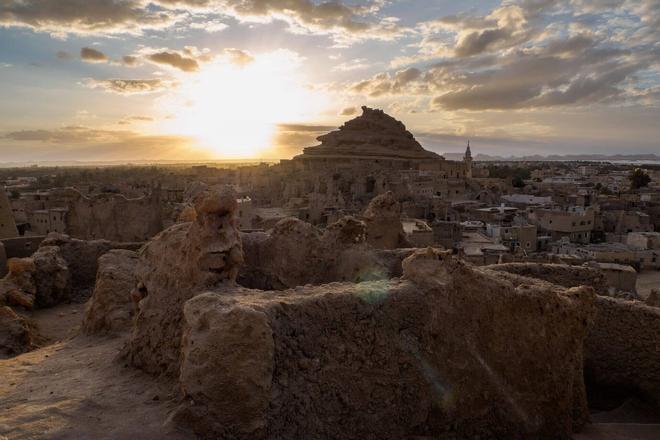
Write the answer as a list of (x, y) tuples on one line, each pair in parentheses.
[(92, 55), (129, 86), (127, 120), (64, 17), (238, 56), (78, 142), (344, 22), (174, 59), (290, 139), (129, 60), (188, 59), (348, 111), (67, 134), (62, 55), (388, 84), (523, 56)]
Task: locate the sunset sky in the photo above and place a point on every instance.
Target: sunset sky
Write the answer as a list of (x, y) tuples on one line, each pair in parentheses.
[(215, 79)]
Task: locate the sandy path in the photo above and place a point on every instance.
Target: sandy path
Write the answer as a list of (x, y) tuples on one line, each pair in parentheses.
[(77, 390)]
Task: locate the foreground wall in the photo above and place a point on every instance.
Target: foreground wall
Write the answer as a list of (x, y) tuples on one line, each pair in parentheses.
[(449, 351), (622, 350)]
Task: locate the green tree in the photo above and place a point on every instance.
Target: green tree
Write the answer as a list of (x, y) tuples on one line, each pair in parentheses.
[(638, 179), (518, 182)]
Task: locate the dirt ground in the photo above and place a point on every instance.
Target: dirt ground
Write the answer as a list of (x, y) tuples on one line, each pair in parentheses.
[(647, 280), (77, 388)]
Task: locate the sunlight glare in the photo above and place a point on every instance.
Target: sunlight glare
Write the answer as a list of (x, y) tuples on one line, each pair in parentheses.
[(233, 110)]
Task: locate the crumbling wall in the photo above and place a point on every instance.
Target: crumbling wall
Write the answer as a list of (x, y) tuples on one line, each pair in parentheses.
[(449, 351), (111, 308), (621, 350), (383, 223), (560, 274), (42, 280), (81, 257), (3, 261), (113, 216), (173, 267), (295, 253)]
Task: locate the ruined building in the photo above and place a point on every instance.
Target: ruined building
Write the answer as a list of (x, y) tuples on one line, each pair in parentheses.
[(7, 224), (375, 139)]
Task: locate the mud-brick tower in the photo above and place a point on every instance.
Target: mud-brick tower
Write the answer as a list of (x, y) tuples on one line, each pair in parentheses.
[(468, 161)]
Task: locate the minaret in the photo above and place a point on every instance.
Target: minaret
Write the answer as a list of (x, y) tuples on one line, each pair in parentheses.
[(7, 223), (468, 161)]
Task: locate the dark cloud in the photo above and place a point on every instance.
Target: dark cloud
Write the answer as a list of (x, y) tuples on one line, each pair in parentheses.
[(521, 55), (129, 60), (290, 139), (344, 21), (130, 86), (62, 17), (174, 59), (92, 55), (386, 84), (348, 111), (189, 59)]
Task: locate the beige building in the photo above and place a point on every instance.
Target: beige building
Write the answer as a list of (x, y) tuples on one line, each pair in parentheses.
[(515, 237), (7, 223), (575, 223), (43, 221), (419, 233)]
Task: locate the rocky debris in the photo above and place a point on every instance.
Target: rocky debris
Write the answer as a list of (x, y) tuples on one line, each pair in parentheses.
[(383, 223), (187, 214), (388, 359), (52, 278), (17, 288), (560, 274), (15, 333), (111, 309), (621, 350), (81, 257), (653, 300), (41, 280), (374, 133), (175, 266)]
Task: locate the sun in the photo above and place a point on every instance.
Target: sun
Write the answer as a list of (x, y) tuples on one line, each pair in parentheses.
[(233, 110)]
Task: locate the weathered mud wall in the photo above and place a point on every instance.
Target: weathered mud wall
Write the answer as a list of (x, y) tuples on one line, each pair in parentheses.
[(113, 217), (295, 253), (560, 274), (177, 264), (111, 308), (436, 354), (622, 350)]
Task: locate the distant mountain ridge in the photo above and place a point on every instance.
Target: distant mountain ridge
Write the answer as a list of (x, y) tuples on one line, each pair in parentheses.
[(559, 158)]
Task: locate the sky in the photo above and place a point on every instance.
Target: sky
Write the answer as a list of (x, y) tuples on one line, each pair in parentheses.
[(115, 80)]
